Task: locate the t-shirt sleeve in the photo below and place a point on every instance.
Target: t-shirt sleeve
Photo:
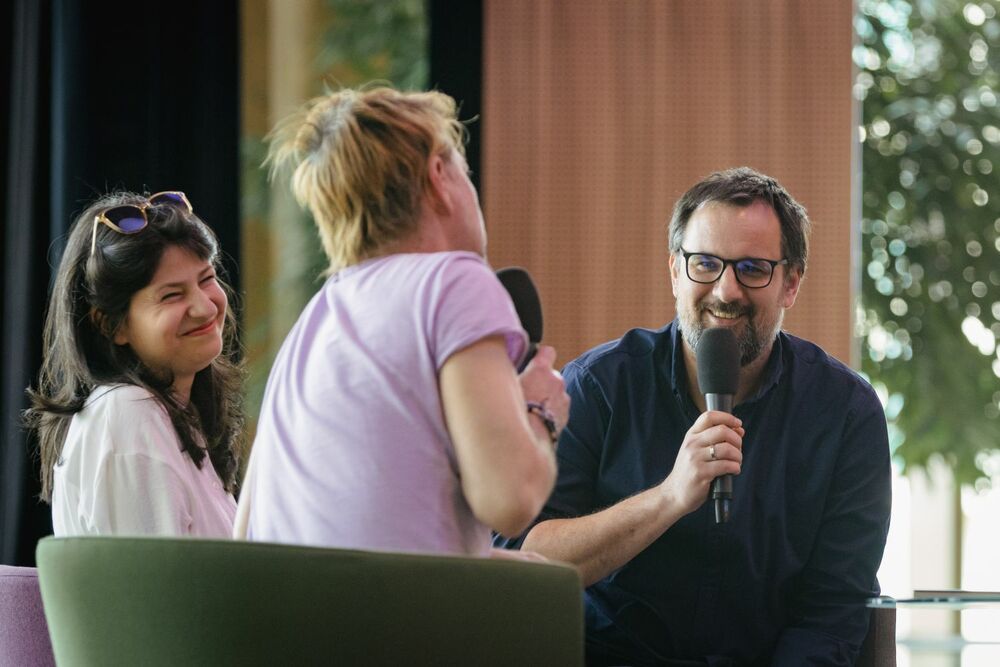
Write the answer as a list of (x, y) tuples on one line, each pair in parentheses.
[(136, 489), (467, 304)]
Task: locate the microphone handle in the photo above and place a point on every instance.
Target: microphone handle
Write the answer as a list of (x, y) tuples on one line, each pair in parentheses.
[(720, 402), (722, 486)]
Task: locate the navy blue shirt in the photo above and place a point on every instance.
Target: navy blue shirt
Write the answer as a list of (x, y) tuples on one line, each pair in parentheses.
[(786, 579)]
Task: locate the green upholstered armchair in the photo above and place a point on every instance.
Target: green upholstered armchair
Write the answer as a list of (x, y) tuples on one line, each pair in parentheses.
[(164, 601)]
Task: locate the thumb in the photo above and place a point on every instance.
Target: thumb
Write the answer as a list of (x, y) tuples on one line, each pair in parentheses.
[(546, 355)]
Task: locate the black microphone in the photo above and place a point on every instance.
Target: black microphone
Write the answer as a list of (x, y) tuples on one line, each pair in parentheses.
[(718, 357), (522, 292)]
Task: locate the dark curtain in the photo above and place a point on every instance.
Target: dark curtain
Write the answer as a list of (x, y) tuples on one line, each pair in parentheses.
[(456, 64), (101, 96), (25, 278)]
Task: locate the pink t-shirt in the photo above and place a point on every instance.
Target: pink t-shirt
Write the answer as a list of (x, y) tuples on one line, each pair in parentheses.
[(352, 449)]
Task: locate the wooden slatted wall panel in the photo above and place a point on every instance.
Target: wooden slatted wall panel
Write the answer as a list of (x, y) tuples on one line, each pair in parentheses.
[(597, 115)]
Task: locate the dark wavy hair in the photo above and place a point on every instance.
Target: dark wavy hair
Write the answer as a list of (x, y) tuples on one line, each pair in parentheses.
[(741, 187), (89, 302)]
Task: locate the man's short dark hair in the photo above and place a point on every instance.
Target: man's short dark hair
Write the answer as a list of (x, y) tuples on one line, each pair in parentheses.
[(741, 187)]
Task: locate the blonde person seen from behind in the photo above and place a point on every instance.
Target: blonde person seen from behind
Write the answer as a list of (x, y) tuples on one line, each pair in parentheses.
[(393, 418), (137, 409)]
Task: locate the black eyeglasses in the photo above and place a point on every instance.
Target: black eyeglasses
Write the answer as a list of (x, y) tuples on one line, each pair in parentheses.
[(131, 218), (751, 272)]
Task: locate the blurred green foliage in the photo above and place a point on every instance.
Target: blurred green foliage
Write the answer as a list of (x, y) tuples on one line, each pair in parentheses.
[(928, 76), (376, 40), (361, 41)]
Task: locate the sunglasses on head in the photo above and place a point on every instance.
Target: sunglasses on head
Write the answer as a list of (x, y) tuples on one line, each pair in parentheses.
[(131, 218)]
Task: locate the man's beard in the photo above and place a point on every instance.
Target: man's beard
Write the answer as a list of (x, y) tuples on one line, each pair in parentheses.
[(749, 337)]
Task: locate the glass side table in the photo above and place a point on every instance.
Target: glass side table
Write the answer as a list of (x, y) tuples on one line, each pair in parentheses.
[(923, 648)]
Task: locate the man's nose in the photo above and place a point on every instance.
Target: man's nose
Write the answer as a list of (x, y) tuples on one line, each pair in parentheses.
[(727, 288)]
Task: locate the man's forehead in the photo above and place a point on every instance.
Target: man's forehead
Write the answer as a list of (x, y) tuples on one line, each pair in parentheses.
[(734, 207), (753, 227)]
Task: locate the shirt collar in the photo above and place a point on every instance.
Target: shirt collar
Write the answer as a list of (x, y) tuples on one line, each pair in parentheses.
[(678, 371), (773, 369)]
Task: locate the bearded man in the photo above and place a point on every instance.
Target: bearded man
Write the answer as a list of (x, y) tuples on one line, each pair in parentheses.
[(785, 580)]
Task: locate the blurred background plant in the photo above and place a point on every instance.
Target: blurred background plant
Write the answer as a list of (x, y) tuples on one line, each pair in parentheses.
[(929, 315), (345, 43)]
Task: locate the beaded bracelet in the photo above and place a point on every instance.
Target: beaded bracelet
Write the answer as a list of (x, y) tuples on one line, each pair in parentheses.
[(548, 419)]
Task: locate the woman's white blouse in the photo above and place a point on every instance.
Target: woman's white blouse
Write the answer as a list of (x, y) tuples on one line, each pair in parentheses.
[(122, 472)]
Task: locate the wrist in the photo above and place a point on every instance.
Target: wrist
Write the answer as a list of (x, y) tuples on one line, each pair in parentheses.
[(670, 501), (546, 418)]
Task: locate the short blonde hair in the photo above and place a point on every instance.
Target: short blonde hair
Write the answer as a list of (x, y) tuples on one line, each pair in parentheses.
[(359, 163)]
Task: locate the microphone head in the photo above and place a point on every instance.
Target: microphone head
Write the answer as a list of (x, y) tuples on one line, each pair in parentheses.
[(718, 356), (522, 292)]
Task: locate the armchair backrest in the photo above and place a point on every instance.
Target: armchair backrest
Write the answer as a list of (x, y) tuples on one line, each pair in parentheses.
[(163, 601), (24, 638)]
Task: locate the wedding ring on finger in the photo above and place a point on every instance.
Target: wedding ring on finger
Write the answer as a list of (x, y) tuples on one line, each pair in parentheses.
[(711, 452)]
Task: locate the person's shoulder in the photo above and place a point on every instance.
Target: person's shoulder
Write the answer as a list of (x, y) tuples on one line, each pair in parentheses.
[(454, 262), (124, 409), (636, 346), (111, 398), (831, 372), (419, 271), (448, 260), (452, 273), (813, 356)]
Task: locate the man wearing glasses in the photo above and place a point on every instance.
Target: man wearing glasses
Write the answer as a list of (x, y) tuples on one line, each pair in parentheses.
[(784, 581)]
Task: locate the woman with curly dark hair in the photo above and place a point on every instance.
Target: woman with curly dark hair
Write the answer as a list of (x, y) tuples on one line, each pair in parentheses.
[(138, 407)]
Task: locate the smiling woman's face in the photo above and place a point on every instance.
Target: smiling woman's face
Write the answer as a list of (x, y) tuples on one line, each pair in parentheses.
[(174, 324)]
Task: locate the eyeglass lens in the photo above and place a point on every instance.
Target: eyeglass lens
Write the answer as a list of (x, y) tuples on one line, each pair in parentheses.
[(751, 272), (175, 198), (128, 218)]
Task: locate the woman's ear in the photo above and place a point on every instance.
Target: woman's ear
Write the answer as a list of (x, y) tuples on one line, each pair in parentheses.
[(438, 194), (100, 322), (121, 335)]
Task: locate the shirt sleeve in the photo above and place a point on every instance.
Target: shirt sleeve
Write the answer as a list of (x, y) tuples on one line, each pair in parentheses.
[(829, 616), (577, 453), (468, 304)]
